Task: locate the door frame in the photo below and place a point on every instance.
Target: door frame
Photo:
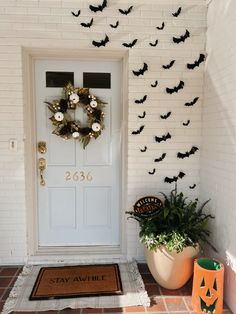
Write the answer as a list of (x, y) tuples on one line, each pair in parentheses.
[(29, 55)]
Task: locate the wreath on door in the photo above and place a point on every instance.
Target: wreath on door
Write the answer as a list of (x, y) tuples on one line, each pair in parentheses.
[(62, 119)]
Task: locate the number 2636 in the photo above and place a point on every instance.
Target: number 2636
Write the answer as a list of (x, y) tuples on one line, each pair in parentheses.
[(78, 176)]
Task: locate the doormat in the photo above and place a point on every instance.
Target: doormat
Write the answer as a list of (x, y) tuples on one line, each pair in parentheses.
[(134, 292), (77, 281)]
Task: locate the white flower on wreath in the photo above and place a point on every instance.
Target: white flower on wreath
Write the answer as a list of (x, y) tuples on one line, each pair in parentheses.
[(96, 127), (74, 98), (59, 116), (75, 134), (93, 103)]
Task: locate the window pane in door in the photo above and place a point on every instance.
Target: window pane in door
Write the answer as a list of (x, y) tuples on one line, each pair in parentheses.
[(96, 80), (59, 79)]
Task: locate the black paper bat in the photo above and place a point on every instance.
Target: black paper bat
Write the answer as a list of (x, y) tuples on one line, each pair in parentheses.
[(152, 172), (163, 137), (186, 123), (160, 158), (143, 150), (126, 12), (175, 178), (87, 24), (196, 63), (191, 103), (142, 100), (143, 115), (139, 130), (141, 71), (193, 186), (182, 38), (168, 66), (187, 154), (102, 42), (161, 27), (155, 84), (130, 45), (165, 116), (175, 89), (76, 14), (100, 7), (114, 25), (177, 13), (154, 44)]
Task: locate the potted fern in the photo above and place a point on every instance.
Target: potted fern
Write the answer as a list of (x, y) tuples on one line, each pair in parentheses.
[(172, 238)]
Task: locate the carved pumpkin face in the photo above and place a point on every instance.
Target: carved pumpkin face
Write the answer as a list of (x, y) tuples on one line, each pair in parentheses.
[(207, 295)]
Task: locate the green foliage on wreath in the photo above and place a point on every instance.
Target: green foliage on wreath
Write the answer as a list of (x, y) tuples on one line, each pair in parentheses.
[(66, 126)]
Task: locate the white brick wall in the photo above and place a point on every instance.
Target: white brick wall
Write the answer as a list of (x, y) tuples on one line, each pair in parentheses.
[(218, 158), (45, 23)]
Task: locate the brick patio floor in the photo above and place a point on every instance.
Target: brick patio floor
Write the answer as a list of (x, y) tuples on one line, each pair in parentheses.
[(163, 301)]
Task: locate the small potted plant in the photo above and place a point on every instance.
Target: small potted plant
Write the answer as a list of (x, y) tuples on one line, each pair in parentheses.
[(172, 237)]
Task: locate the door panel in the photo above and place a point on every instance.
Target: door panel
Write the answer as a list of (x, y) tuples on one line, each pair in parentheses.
[(80, 203)]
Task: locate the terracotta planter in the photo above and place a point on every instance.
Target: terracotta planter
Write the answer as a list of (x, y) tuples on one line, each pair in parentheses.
[(171, 269)]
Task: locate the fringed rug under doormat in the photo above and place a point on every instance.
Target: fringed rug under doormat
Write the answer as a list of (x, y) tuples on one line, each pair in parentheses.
[(134, 293)]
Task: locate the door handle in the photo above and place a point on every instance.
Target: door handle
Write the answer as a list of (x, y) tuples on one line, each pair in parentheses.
[(42, 167)]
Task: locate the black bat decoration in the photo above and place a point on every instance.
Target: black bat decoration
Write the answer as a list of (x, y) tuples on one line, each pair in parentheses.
[(143, 150), (154, 44), (177, 13), (165, 116), (102, 42), (175, 89), (139, 130), (143, 115), (76, 14), (87, 24), (162, 138), (182, 38), (152, 172), (196, 63), (191, 103), (168, 66), (142, 100), (193, 186), (186, 123), (100, 7), (161, 27), (175, 178), (115, 25), (141, 71), (155, 84), (126, 12), (160, 158), (130, 45), (187, 154)]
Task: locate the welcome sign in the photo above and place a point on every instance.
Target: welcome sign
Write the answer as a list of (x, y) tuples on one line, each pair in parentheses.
[(148, 205)]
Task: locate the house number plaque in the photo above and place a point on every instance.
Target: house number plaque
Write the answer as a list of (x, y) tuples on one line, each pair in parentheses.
[(78, 176)]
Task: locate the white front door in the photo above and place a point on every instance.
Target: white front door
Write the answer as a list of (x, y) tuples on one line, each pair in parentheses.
[(80, 202)]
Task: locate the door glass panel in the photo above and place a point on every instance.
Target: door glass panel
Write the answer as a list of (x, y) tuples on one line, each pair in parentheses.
[(96, 80), (59, 79)]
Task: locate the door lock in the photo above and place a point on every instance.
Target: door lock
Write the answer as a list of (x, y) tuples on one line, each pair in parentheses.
[(42, 147), (42, 167)]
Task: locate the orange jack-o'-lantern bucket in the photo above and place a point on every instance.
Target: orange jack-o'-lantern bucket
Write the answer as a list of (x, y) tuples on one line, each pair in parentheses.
[(208, 282)]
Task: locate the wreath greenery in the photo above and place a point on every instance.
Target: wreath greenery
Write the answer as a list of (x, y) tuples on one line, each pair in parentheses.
[(67, 127)]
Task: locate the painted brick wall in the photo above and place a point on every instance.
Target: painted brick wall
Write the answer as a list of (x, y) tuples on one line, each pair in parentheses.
[(49, 23), (218, 158)]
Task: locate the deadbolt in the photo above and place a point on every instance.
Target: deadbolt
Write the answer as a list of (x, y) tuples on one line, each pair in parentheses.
[(42, 147)]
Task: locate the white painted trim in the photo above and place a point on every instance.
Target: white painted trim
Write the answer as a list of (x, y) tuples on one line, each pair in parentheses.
[(29, 55)]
